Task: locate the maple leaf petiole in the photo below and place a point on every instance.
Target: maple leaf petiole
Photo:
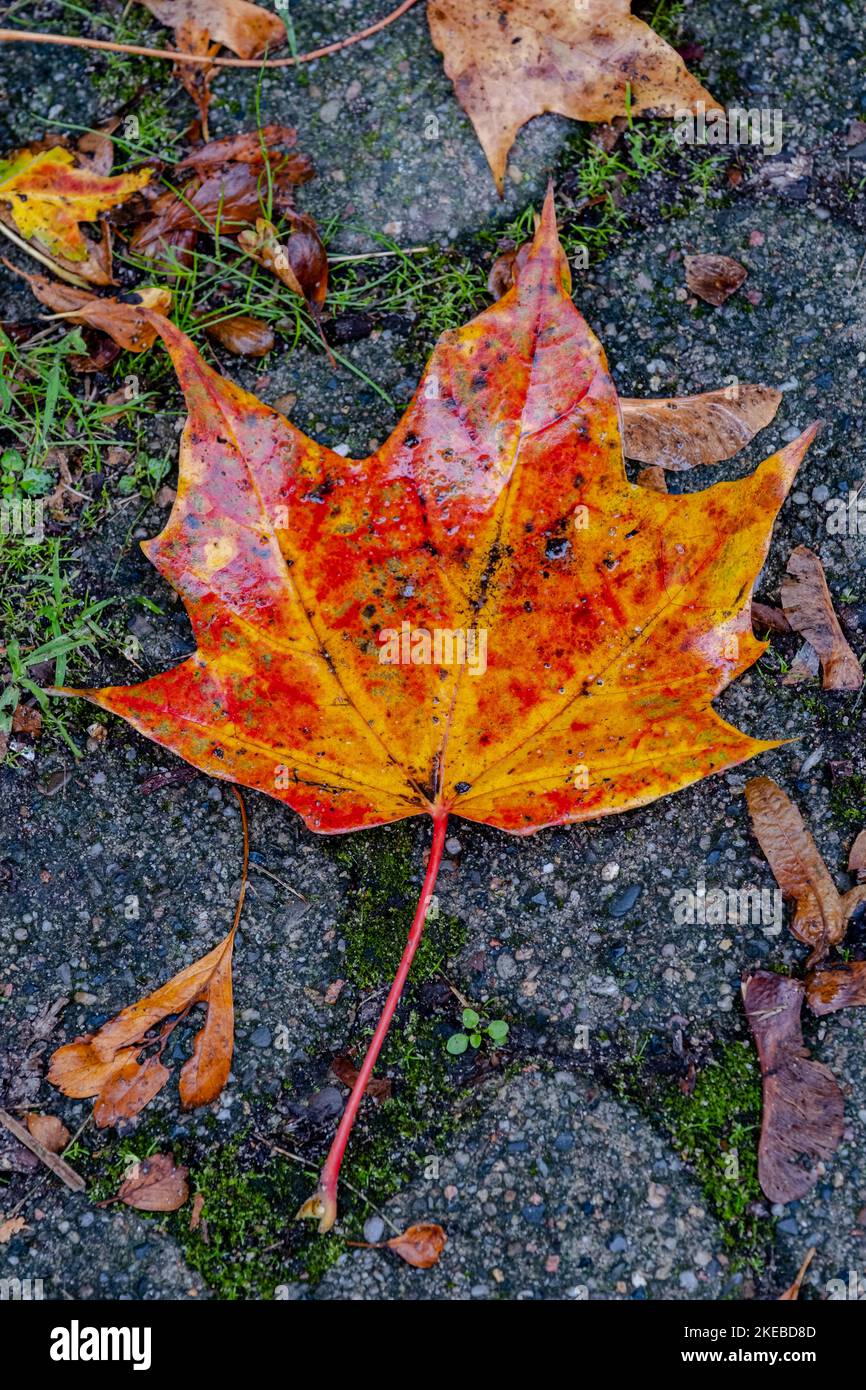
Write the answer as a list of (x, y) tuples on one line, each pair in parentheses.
[(322, 1206)]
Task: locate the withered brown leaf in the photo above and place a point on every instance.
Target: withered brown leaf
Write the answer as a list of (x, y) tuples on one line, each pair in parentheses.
[(799, 870), (679, 432), (839, 988), (766, 618), (809, 609), (122, 320), (51, 1132), (713, 278), (155, 1184), (511, 60), (248, 30), (242, 334), (420, 1245), (803, 1109), (108, 1064)]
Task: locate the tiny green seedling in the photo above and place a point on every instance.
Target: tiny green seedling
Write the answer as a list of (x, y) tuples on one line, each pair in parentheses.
[(476, 1032)]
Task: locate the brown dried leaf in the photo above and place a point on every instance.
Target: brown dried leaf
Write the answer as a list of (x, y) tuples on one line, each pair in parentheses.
[(129, 1089), (681, 431), (840, 988), (108, 1064), (207, 1071), (51, 1133), (803, 1109), (155, 1185), (27, 720), (242, 334), (765, 618), (246, 29), (593, 61), (379, 1087), (230, 195), (809, 609), (251, 147), (301, 262), (419, 1245), (798, 868), (713, 278), (10, 1228), (122, 320)]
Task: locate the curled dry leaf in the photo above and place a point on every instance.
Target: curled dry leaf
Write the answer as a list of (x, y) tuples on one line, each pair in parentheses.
[(511, 60), (248, 30), (251, 147), (228, 197), (301, 261), (506, 268), (682, 431), (345, 1071), (122, 319), (803, 1109), (155, 1184), (713, 278), (765, 618), (27, 719), (792, 1293), (108, 1064), (51, 1132), (809, 609), (46, 196), (839, 988), (798, 868), (10, 1227), (242, 334), (420, 1245), (311, 567)]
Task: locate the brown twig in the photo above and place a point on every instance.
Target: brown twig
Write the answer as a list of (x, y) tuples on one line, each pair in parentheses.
[(58, 1166), (33, 36)]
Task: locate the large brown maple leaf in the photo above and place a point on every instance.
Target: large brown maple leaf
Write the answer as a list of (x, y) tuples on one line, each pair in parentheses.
[(592, 60), (485, 618)]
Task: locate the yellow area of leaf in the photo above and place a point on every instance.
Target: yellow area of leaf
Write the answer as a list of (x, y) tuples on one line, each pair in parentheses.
[(48, 197)]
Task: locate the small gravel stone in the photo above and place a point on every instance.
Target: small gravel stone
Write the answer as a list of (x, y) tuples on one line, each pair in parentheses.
[(625, 901), (374, 1229), (506, 967)]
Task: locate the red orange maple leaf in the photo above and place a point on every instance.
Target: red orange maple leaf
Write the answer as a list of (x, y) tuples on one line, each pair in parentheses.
[(598, 619)]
